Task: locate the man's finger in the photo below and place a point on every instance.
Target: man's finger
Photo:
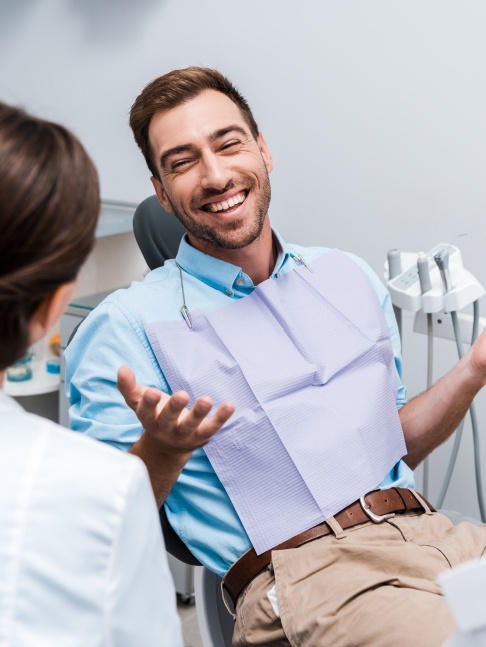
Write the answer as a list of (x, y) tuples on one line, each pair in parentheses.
[(222, 415), (199, 411), (128, 387), (211, 425), (149, 406), (170, 408)]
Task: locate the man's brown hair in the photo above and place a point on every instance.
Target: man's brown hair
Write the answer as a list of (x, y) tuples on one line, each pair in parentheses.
[(49, 207), (173, 89)]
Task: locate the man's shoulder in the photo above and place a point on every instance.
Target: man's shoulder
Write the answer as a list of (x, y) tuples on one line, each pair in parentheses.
[(316, 251), (308, 251), (313, 252), (153, 297), (152, 284)]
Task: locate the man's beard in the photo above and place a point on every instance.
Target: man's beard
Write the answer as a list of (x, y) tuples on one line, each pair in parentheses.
[(219, 234)]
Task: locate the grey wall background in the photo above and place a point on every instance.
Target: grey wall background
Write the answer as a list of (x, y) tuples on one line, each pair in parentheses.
[(375, 113)]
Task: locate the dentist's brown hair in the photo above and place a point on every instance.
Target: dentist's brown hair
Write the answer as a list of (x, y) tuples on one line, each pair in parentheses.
[(49, 207)]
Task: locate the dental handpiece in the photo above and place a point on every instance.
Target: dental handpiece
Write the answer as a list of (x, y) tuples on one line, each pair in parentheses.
[(423, 272), (442, 261), (394, 263)]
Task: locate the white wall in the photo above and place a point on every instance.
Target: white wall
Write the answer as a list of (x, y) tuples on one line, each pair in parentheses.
[(375, 112)]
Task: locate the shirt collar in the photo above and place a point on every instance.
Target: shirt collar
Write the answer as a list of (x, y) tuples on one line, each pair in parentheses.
[(221, 275)]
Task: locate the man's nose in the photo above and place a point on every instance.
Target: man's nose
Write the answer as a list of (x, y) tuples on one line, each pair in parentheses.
[(215, 173)]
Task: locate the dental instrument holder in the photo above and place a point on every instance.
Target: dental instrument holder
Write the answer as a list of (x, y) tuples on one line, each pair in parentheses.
[(452, 288), (406, 291)]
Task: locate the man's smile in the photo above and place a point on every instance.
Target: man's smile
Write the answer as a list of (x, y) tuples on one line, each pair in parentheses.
[(228, 202)]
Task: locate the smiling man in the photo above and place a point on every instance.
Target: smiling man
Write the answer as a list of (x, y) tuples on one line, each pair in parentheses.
[(220, 171), (304, 500), (211, 169)]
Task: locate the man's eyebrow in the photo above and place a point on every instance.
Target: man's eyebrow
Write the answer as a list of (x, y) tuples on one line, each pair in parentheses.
[(221, 132), (184, 148)]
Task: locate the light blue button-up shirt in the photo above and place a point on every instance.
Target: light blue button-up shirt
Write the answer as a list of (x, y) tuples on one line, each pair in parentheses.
[(113, 334)]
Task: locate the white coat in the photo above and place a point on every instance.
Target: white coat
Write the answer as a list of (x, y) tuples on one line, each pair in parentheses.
[(82, 562)]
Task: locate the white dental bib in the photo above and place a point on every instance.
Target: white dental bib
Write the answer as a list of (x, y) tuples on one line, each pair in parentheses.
[(308, 363)]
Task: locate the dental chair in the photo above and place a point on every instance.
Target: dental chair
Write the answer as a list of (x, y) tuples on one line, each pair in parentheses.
[(158, 234)]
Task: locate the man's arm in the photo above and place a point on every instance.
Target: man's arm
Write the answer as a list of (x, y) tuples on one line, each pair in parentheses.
[(170, 431), (109, 337), (429, 419)]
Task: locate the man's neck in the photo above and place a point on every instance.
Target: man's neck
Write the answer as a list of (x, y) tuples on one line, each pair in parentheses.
[(2, 377), (257, 260)]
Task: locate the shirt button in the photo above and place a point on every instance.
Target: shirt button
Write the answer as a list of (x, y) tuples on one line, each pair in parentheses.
[(228, 293), (240, 281)]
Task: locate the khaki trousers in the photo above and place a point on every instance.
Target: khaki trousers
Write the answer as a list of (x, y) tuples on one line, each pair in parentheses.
[(375, 586)]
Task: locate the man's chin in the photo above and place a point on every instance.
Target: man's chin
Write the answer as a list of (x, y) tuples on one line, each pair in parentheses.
[(233, 239)]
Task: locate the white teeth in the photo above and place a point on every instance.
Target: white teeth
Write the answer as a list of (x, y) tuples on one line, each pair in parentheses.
[(227, 204)]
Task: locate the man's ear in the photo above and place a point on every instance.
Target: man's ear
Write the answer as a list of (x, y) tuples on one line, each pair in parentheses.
[(161, 194), (264, 150), (50, 311)]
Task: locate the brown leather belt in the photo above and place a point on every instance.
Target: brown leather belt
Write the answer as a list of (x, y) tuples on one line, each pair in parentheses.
[(376, 506)]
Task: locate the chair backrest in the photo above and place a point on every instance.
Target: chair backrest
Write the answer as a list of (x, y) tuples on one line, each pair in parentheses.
[(157, 232)]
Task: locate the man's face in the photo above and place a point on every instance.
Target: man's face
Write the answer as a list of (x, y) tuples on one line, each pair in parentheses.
[(213, 173)]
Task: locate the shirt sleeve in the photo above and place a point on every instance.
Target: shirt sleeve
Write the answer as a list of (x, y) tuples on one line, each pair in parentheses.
[(107, 339), (141, 597)]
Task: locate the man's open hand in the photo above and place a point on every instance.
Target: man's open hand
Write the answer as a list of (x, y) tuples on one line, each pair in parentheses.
[(166, 418)]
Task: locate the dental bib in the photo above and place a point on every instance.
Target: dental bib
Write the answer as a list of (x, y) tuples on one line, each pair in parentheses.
[(307, 361)]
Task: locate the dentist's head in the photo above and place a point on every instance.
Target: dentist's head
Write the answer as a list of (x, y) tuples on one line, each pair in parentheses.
[(49, 206)]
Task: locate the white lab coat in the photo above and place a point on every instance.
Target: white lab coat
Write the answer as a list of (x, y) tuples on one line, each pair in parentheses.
[(82, 562)]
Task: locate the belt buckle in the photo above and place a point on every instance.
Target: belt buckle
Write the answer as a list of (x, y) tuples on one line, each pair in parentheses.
[(376, 518)]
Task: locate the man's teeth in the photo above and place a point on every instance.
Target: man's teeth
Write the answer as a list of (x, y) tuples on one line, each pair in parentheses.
[(227, 204)]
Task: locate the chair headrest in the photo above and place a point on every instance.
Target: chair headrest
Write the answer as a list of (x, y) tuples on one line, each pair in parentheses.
[(157, 232)]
